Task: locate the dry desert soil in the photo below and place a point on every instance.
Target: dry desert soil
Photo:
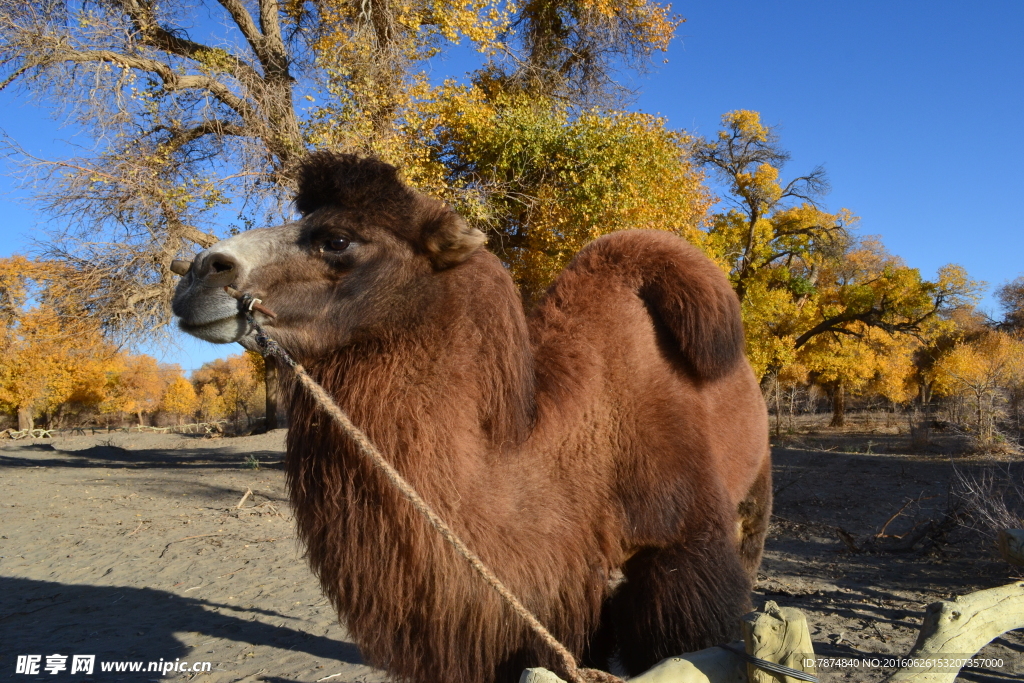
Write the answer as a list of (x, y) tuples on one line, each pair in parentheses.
[(133, 547)]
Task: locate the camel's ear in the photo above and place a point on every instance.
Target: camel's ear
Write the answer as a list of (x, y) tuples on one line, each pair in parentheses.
[(447, 238)]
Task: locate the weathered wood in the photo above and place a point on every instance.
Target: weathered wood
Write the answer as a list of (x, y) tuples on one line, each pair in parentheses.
[(713, 665), (779, 635), (539, 675), (1011, 545), (959, 628)]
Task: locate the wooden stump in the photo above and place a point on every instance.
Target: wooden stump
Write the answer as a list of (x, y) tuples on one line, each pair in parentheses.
[(779, 635)]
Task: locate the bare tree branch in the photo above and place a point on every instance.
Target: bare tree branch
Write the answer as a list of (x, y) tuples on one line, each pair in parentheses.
[(171, 79), (246, 25), (154, 35)]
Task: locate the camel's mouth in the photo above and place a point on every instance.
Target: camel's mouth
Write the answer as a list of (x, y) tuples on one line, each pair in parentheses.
[(222, 331), (207, 313)]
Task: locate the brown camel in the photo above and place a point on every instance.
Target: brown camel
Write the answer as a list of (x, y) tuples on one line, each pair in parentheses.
[(607, 457)]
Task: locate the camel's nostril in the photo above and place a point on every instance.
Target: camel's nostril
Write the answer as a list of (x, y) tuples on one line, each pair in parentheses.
[(217, 269)]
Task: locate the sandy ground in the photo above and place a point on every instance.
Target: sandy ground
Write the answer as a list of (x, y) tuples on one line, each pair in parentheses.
[(132, 548)]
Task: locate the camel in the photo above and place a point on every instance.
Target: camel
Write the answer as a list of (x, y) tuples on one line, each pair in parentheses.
[(606, 456)]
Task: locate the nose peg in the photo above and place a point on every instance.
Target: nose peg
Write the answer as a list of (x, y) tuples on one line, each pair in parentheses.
[(179, 267)]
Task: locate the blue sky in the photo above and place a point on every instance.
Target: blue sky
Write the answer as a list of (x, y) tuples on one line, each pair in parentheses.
[(914, 108)]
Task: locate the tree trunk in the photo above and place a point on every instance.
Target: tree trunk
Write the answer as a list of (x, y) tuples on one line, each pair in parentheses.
[(792, 407), (838, 406), (778, 408), (983, 432), (271, 382), (25, 418)]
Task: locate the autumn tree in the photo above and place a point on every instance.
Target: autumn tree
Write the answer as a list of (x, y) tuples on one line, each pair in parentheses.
[(238, 383), (799, 270), (50, 354), (867, 361), (137, 384), (184, 126), (211, 405), (518, 149), (179, 399), (188, 121), (771, 224), (375, 58), (1011, 299), (179, 124), (869, 316), (558, 180), (981, 368), (868, 285), (772, 236)]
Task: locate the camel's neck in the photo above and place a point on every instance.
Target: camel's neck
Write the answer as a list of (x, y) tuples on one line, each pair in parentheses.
[(461, 368)]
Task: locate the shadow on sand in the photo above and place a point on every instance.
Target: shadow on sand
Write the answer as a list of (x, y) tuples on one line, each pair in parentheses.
[(201, 457), (123, 623)]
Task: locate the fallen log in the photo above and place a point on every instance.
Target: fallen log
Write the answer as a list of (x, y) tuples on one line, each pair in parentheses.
[(958, 628)]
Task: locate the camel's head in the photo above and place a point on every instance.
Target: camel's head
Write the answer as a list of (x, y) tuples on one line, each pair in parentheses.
[(361, 257)]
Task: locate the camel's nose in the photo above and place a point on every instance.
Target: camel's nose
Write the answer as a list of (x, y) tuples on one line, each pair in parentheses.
[(216, 269)]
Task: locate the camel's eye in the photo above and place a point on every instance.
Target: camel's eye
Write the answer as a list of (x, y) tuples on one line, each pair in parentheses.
[(337, 244)]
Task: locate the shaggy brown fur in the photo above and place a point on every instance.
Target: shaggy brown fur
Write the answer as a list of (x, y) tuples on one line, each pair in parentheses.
[(619, 428)]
